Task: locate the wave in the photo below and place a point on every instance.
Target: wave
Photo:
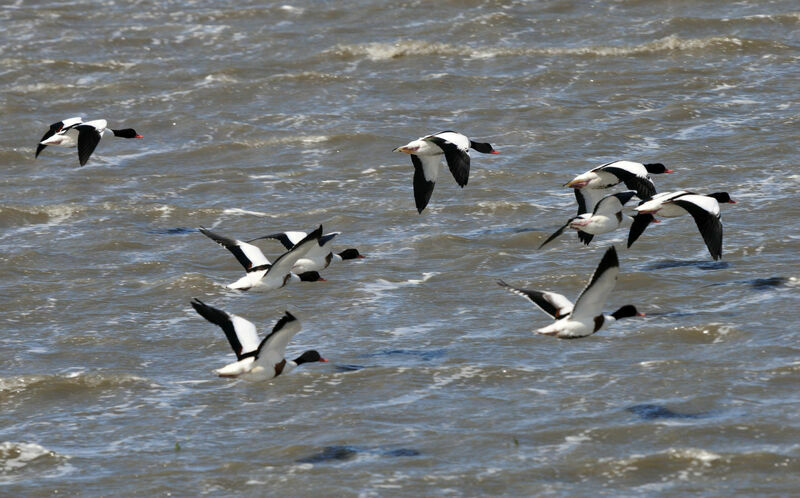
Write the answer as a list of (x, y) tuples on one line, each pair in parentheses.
[(67, 382), (16, 216), (15, 456), (379, 51)]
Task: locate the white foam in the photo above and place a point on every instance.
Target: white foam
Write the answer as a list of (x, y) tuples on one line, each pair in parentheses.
[(245, 211), (14, 456)]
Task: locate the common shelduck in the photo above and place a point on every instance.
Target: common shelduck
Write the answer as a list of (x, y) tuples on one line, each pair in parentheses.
[(634, 175), (703, 208), (426, 155), (317, 258), (586, 316), (256, 360), (606, 217), (261, 275), (74, 132)]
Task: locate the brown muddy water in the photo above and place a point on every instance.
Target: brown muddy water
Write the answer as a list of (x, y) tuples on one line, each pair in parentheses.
[(260, 118)]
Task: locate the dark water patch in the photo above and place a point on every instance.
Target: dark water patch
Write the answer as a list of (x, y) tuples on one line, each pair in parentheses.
[(651, 412), (347, 368), (172, 231), (760, 284), (345, 453), (491, 231), (424, 355), (702, 265), (331, 453), (767, 283)]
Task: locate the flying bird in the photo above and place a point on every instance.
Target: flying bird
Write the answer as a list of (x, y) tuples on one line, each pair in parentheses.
[(426, 155), (256, 360), (261, 274), (73, 132), (703, 208), (606, 217), (586, 316), (319, 257)]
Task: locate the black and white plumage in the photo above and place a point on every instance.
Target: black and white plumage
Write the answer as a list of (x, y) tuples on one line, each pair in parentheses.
[(606, 217), (261, 274), (703, 208), (426, 155), (257, 360), (319, 257), (73, 132), (586, 316), (636, 176)]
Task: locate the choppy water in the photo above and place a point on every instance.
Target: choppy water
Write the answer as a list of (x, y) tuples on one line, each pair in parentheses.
[(265, 118)]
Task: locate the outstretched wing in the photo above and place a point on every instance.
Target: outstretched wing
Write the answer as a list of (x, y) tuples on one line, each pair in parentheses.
[(283, 265), (273, 348), (88, 138), (707, 222), (426, 172), (241, 333), (640, 222), (593, 297), (612, 204), (643, 185), (54, 128), (551, 303), (287, 239), (457, 159), (557, 233), (248, 255)]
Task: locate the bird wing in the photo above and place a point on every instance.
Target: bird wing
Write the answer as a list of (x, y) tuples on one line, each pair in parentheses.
[(241, 333), (426, 172), (288, 239), (593, 297), (585, 237), (551, 303), (457, 158), (88, 138), (273, 348), (640, 222), (283, 265), (612, 204), (643, 185), (557, 233), (54, 128), (707, 221), (248, 255), (587, 198)]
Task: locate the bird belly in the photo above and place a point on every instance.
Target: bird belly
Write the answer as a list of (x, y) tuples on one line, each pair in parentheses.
[(68, 139), (671, 211), (567, 329), (236, 368)]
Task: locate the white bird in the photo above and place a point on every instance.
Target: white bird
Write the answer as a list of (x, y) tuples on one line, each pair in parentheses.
[(703, 208), (426, 155), (261, 274), (606, 217), (634, 175), (256, 360), (586, 316), (319, 257), (73, 132)]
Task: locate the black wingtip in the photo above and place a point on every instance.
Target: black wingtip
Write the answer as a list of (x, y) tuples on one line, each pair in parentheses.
[(316, 234), (585, 237), (638, 226), (609, 260), (286, 318)]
